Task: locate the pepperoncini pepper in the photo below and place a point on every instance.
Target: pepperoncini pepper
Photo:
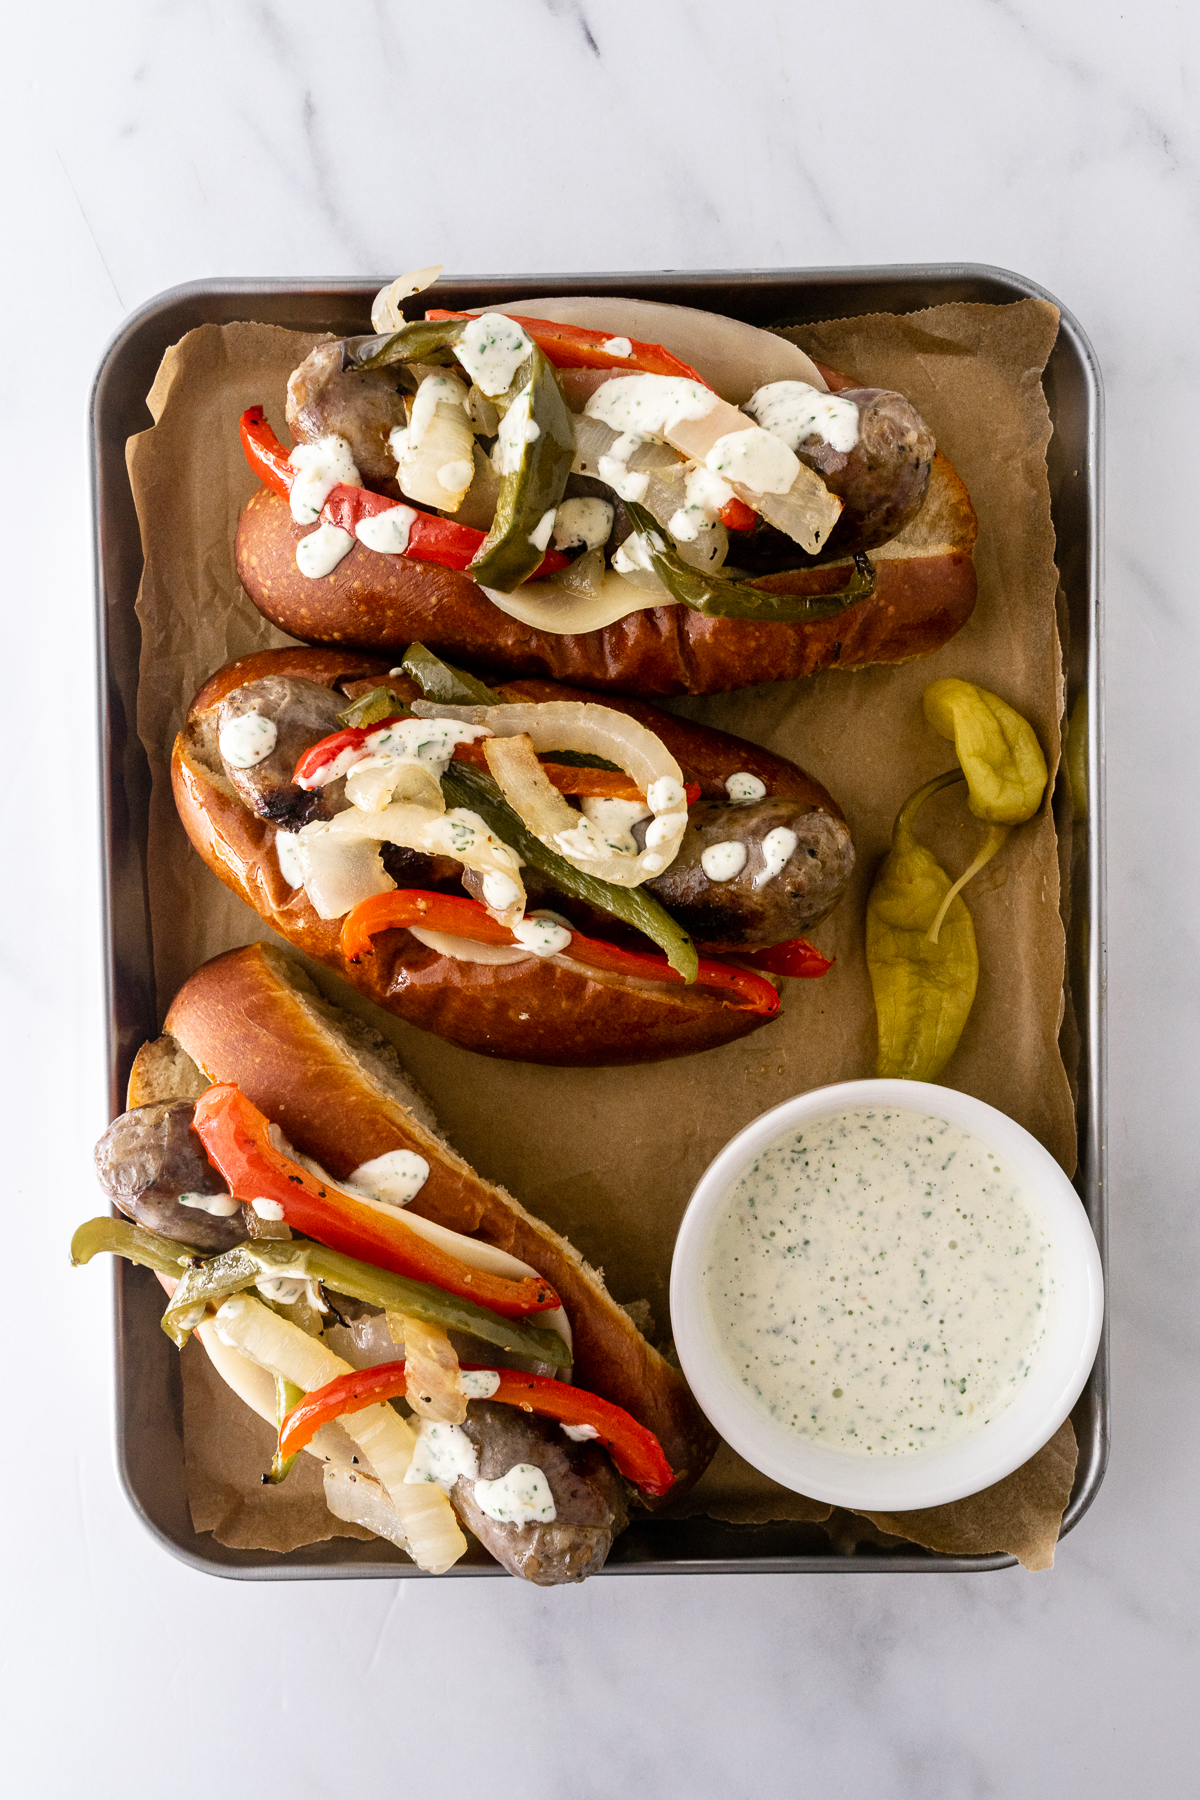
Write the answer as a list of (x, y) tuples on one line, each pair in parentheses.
[(997, 749), (921, 952), (924, 986), (1000, 757)]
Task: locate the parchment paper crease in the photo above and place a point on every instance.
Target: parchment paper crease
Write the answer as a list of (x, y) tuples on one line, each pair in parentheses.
[(610, 1156)]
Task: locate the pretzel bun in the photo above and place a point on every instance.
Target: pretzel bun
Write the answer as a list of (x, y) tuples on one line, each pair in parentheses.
[(548, 1010), (924, 593), (340, 1094)]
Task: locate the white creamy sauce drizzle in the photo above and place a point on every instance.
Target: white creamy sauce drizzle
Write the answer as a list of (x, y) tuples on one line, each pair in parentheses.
[(286, 1290), (500, 892), (287, 854), (247, 740), (319, 467), (614, 820), (583, 844), (491, 350), (704, 494), (322, 550), (722, 862), (434, 391), (518, 427), (744, 786), (456, 476), (394, 1178), (585, 521), (756, 459), (522, 1497), (268, 1209), (387, 531), (634, 553), (879, 1281), (221, 1206), (542, 936), (617, 346), (539, 537), (431, 743), (777, 847), (650, 405), (479, 1384), (579, 1434), (442, 1454), (794, 412), (613, 467)]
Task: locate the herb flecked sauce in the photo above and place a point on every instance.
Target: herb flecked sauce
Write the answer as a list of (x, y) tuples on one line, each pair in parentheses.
[(879, 1281)]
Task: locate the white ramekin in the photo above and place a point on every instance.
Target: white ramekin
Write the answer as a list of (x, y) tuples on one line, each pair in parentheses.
[(927, 1477)]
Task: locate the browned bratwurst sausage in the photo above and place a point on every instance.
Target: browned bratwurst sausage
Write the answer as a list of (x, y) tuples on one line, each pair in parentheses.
[(148, 1158), (363, 408), (550, 1009), (882, 482)]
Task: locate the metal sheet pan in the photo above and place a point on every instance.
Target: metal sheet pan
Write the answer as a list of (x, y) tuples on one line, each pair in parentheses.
[(149, 1436)]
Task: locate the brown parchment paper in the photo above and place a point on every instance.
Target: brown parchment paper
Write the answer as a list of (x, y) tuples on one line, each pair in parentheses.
[(610, 1156), (226, 1451)]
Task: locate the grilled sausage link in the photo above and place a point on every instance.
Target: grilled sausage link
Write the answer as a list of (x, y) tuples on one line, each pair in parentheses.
[(589, 1499), (147, 1158)]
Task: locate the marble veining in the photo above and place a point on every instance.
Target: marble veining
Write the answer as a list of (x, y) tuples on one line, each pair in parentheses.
[(165, 140)]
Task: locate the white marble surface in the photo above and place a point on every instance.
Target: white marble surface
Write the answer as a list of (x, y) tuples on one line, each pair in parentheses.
[(162, 140)]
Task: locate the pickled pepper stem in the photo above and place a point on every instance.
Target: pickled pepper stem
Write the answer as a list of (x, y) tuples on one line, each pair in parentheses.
[(992, 843), (915, 802)]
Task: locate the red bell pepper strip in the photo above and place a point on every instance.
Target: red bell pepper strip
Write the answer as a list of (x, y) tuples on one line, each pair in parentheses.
[(236, 1137), (797, 958), (318, 756), (462, 917), (430, 538), (635, 1450), (737, 516), (574, 347), (265, 454)]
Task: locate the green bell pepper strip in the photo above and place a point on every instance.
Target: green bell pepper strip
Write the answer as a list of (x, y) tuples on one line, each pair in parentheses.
[(508, 555), (419, 341), (121, 1238), (721, 597), (442, 682), (372, 709), (205, 1283), (241, 1268), (924, 987), (287, 1396), (479, 792)]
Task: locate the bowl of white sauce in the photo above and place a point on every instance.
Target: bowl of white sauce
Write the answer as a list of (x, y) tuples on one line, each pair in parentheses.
[(886, 1295)]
